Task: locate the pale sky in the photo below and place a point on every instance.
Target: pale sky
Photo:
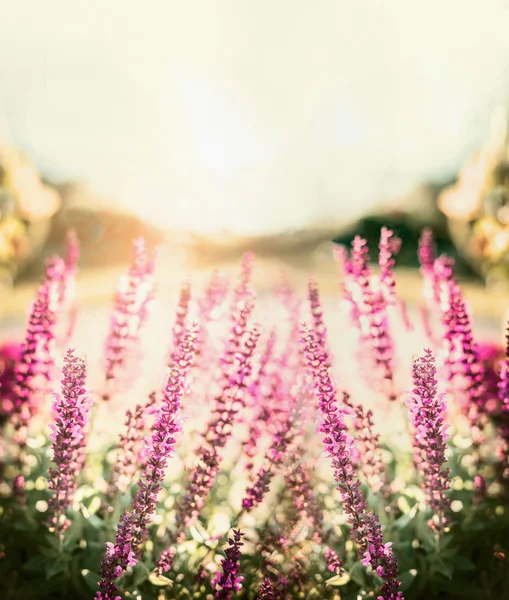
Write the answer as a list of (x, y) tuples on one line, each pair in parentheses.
[(251, 116)]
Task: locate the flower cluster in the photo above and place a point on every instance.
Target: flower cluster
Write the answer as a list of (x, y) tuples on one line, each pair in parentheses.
[(180, 319), (370, 461), (68, 435), (34, 370), (133, 296), (369, 298), (229, 581), (426, 412), (365, 526), (133, 528), (267, 415), (127, 460)]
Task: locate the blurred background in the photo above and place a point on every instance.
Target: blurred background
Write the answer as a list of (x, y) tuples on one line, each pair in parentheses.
[(211, 128)]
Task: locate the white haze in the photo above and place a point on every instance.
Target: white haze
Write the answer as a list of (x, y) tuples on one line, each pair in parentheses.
[(251, 116)]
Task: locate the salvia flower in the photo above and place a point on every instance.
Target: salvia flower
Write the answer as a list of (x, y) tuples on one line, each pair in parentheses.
[(317, 313), (427, 255), (370, 460), (226, 407), (274, 457), (180, 319), (67, 293), (376, 344), (71, 259), (334, 563), (228, 582), (133, 528), (126, 464), (50, 289), (389, 245), (36, 354), (426, 413), (465, 370), (10, 356), (266, 591), (68, 436), (503, 384), (133, 293), (297, 475), (208, 303), (365, 526)]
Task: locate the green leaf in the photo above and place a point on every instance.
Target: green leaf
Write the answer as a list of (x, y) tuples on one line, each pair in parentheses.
[(95, 521), (338, 580), (462, 563), (445, 568), (140, 573), (53, 568), (358, 573), (36, 563), (160, 580), (91, 578), (407, 578), (95, 505)]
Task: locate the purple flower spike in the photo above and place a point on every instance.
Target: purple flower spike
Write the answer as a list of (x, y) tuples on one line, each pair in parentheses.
[(266, 591), (68, 435), (26, 368), (219, 428), (503, 384), (465, 370), (126, 464), (180, 321), (274, 457), (133, 295), (228, 582), (426, 413), (370, 463), (389, 246), (365, 526), (427, 256), (133, 527)]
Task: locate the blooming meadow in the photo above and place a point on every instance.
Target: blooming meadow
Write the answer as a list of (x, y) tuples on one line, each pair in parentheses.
[(280, 457)]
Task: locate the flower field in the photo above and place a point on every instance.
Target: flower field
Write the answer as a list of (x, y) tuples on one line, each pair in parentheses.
[(271, 450)]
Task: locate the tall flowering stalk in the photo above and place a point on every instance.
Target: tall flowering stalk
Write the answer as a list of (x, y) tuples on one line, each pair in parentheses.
[(348, 286), (208, 302), (50, 288), (298, 480), (370, 460), (430, 442), (228, 582), (26, 369), (34, 370), (133, 527), (273, 459), (68, 437), (262, 390), (218, 430), (376, 341), (503, 384), (237, 368), (133, 294), (427, 254), (67, 294), (317, 314), (180, 320), (365, 526), (389, 246), (126, 464), (503, 427), (465, 370)]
